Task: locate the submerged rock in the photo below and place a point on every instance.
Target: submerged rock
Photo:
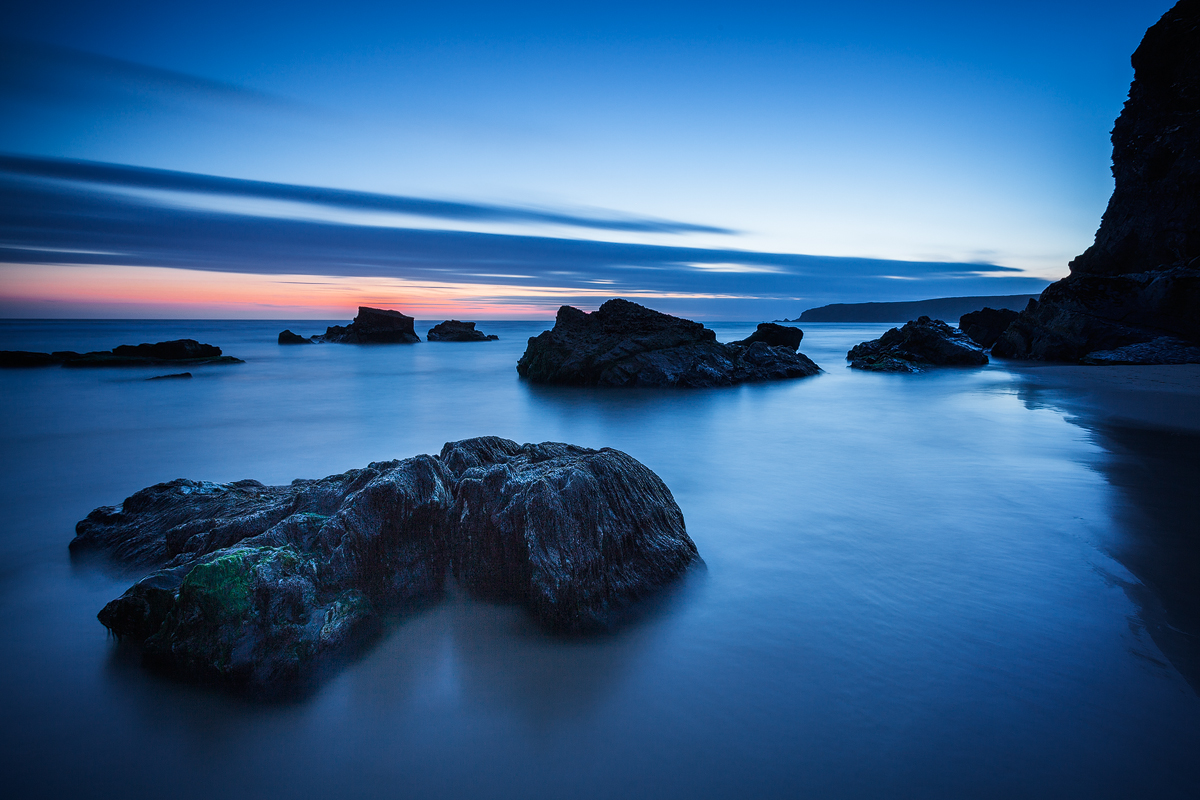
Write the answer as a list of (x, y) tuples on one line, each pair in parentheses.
[(921, 343), (176, 351), (1140, 281), (625, 344), (287, 337), (373, 326), (172, 376), (256, 584), (985, 326), (454, 331)]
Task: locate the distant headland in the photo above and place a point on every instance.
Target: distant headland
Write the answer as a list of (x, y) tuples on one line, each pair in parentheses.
[(950, 308)]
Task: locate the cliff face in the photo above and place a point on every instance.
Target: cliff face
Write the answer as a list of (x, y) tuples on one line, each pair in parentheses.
[(1140, 281)]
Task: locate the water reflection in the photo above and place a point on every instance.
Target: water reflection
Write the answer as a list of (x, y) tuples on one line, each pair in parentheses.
[(1156, 531)]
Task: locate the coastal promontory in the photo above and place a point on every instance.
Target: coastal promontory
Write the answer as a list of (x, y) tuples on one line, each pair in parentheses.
[(626, 344), (1134, 295)]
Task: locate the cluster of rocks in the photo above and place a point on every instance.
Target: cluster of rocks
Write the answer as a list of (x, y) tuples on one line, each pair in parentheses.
[(1134, 295), (625, 344), (920, 344), (176, 351), (257, 584), (385, 326)]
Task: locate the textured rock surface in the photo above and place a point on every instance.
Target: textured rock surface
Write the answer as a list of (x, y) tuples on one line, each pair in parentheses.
[(454, 331), (921, 343), (176, 351), (985, 326), (575, 534), (287, 337), (625, 344), (775, 335), (373, 326), (255, 584), (1140, 280)]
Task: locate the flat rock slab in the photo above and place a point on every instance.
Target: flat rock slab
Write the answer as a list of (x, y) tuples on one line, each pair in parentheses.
[(256, 585), (175, 352), (625, 344), (454, 331)]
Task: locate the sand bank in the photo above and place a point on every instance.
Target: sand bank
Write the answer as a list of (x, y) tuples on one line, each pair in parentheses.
[(1153, 396)]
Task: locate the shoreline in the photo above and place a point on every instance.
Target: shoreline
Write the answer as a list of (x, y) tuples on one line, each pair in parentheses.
[(1157, 396)]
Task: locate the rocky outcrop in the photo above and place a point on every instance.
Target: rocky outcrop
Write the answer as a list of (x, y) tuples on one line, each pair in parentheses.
[(775, 335), (176, 351), (257, 584), (625, 344), (920, 344), (454, 331), (287, 337), (1140, 281), (985, 326), (373, 326)]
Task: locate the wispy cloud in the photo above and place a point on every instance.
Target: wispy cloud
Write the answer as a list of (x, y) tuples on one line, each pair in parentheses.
[(59, 212), (103, 175)]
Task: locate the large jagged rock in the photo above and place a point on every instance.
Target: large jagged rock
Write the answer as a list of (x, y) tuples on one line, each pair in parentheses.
[(256, 584), (176, 351), (373, 326), (575, 534), (454, 331), (625, 344), (1140, 281), (985, 325), (920, 344)]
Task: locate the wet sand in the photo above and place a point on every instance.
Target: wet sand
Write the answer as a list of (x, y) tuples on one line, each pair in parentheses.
[(1147, 396)]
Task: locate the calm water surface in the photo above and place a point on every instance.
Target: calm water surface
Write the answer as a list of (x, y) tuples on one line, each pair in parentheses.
[(916, 586)]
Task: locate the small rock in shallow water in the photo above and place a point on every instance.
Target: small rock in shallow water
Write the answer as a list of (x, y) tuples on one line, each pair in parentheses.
[(454, 331), (625, 344), (922, 343)]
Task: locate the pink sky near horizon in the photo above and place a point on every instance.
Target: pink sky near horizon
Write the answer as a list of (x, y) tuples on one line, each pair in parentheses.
[(123, 292)]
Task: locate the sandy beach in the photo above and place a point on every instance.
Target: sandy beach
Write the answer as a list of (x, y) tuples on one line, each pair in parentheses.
[(1150, 396)]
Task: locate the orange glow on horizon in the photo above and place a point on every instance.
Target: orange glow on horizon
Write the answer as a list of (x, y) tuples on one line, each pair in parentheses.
[(122, 291)]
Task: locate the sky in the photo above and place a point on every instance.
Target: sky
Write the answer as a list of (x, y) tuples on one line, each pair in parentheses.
[(722, 161)]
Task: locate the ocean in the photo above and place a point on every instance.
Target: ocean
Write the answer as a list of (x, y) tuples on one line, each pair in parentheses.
[(947, 585)]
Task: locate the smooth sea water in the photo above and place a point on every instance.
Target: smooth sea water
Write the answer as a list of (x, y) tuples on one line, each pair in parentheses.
[(946, 585)]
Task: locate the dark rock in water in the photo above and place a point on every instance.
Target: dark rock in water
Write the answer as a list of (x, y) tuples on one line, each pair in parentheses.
[(1140, 281), (373, 326), (625, 344), (25, 358), (177, 351), (985, 326), (256, 584), (172, 375), (575, 534), (454, 331), (775, 335), (919, 344), (287, 337)]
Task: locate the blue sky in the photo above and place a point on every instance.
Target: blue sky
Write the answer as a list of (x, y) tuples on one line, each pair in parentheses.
[(696, 156)]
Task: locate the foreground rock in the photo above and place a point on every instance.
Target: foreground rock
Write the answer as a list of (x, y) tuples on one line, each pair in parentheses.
[(257, 584), (985, 326), (454, 331), (373, 326), (176, 351), (625, 344), (287, 337), (1139, 283), (920, 344)]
